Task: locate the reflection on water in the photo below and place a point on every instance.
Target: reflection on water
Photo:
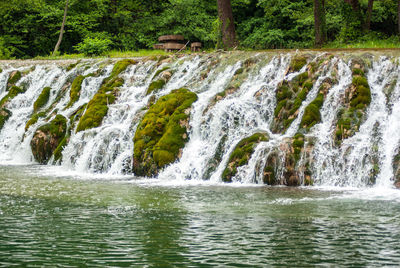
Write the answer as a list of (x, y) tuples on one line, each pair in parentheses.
[(47, 221)]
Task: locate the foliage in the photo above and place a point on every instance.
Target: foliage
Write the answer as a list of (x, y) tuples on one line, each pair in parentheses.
[(30, 28), (93, 46)]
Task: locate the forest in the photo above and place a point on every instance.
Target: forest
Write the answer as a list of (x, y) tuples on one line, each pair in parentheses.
[(31, 28)]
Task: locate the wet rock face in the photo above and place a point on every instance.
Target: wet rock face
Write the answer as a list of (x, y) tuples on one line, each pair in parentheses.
[(5, 114), (47, 138), (241, 155), (289, 164), (396, 170), (162, 133)]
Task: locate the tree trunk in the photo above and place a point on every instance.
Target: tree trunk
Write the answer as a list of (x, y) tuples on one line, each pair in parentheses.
[(227, 25), (398, 16), (354, 4), (319, 22), (367, 25), (62, 29)]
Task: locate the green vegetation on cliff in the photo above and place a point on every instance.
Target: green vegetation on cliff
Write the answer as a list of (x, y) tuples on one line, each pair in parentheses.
[(15, 76), (42, 99), (98, 106), (241, 155), (289, 96), (5, 114), (47, 138), (12, 93), (75, 90), (162, 133), (358, 98)]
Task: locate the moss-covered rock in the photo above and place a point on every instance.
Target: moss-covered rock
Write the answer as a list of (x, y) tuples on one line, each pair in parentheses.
[(42, 99), (297, 63), (241, 155), (357, 99), (160, 78), (14, 77), (12, 93), (47, 138), (5, 114), (155, 86), (34, 118), (97, 108), (75, 90), (312, 114), (162, 133), (289, 97), (283, 165)]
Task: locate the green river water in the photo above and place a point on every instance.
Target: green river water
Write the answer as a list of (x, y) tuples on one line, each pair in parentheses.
[(75, 221)]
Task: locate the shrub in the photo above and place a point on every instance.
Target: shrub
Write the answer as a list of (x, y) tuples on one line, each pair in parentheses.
[(94, 46)]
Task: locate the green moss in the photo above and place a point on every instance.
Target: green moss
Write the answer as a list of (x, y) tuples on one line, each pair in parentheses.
[(75, 90), (155, 86), (42, 99), (160, 71), (97, 108), (14, 78), (312, 113), (12, 93), (298, 143), (238, 71), (241, 155), (95, 112), (34, 118), (349, 119), (161, 133), (357, 71), (47, 138), (121, 66), (269, 175), (58, 151), (297, 63), (72, 66), (5, 114), (301, 78)]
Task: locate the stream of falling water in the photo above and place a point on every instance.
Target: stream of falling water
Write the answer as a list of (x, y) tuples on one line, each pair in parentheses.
[(215, 126)]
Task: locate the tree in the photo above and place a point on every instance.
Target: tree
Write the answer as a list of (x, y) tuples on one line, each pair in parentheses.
[(319, 22), (367, 24), (62, 29), (355, 5), (398, 16), (227, 24)]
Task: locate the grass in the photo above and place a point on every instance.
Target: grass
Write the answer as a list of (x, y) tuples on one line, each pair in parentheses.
[(110, 54), (365, 44)]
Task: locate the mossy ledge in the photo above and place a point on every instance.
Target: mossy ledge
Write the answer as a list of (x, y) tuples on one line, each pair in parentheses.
[(5, 114), (75, 90), (14, 77), (42, 99), (357, 99), (160, 78), (241, 155), (312, 114), (285, 160), (97, 108), (12, 93), (47, 138), (289, 97), (162, 133)]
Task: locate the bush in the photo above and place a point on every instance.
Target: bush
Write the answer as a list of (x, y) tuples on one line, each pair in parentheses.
[(94, 46)]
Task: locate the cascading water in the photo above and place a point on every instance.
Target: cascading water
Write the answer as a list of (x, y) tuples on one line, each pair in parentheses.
[(237, 97)]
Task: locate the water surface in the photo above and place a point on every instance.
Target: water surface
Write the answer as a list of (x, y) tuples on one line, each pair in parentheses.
[(75, 220)]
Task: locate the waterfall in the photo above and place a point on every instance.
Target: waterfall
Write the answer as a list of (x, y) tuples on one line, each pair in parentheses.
[(237, 97)]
